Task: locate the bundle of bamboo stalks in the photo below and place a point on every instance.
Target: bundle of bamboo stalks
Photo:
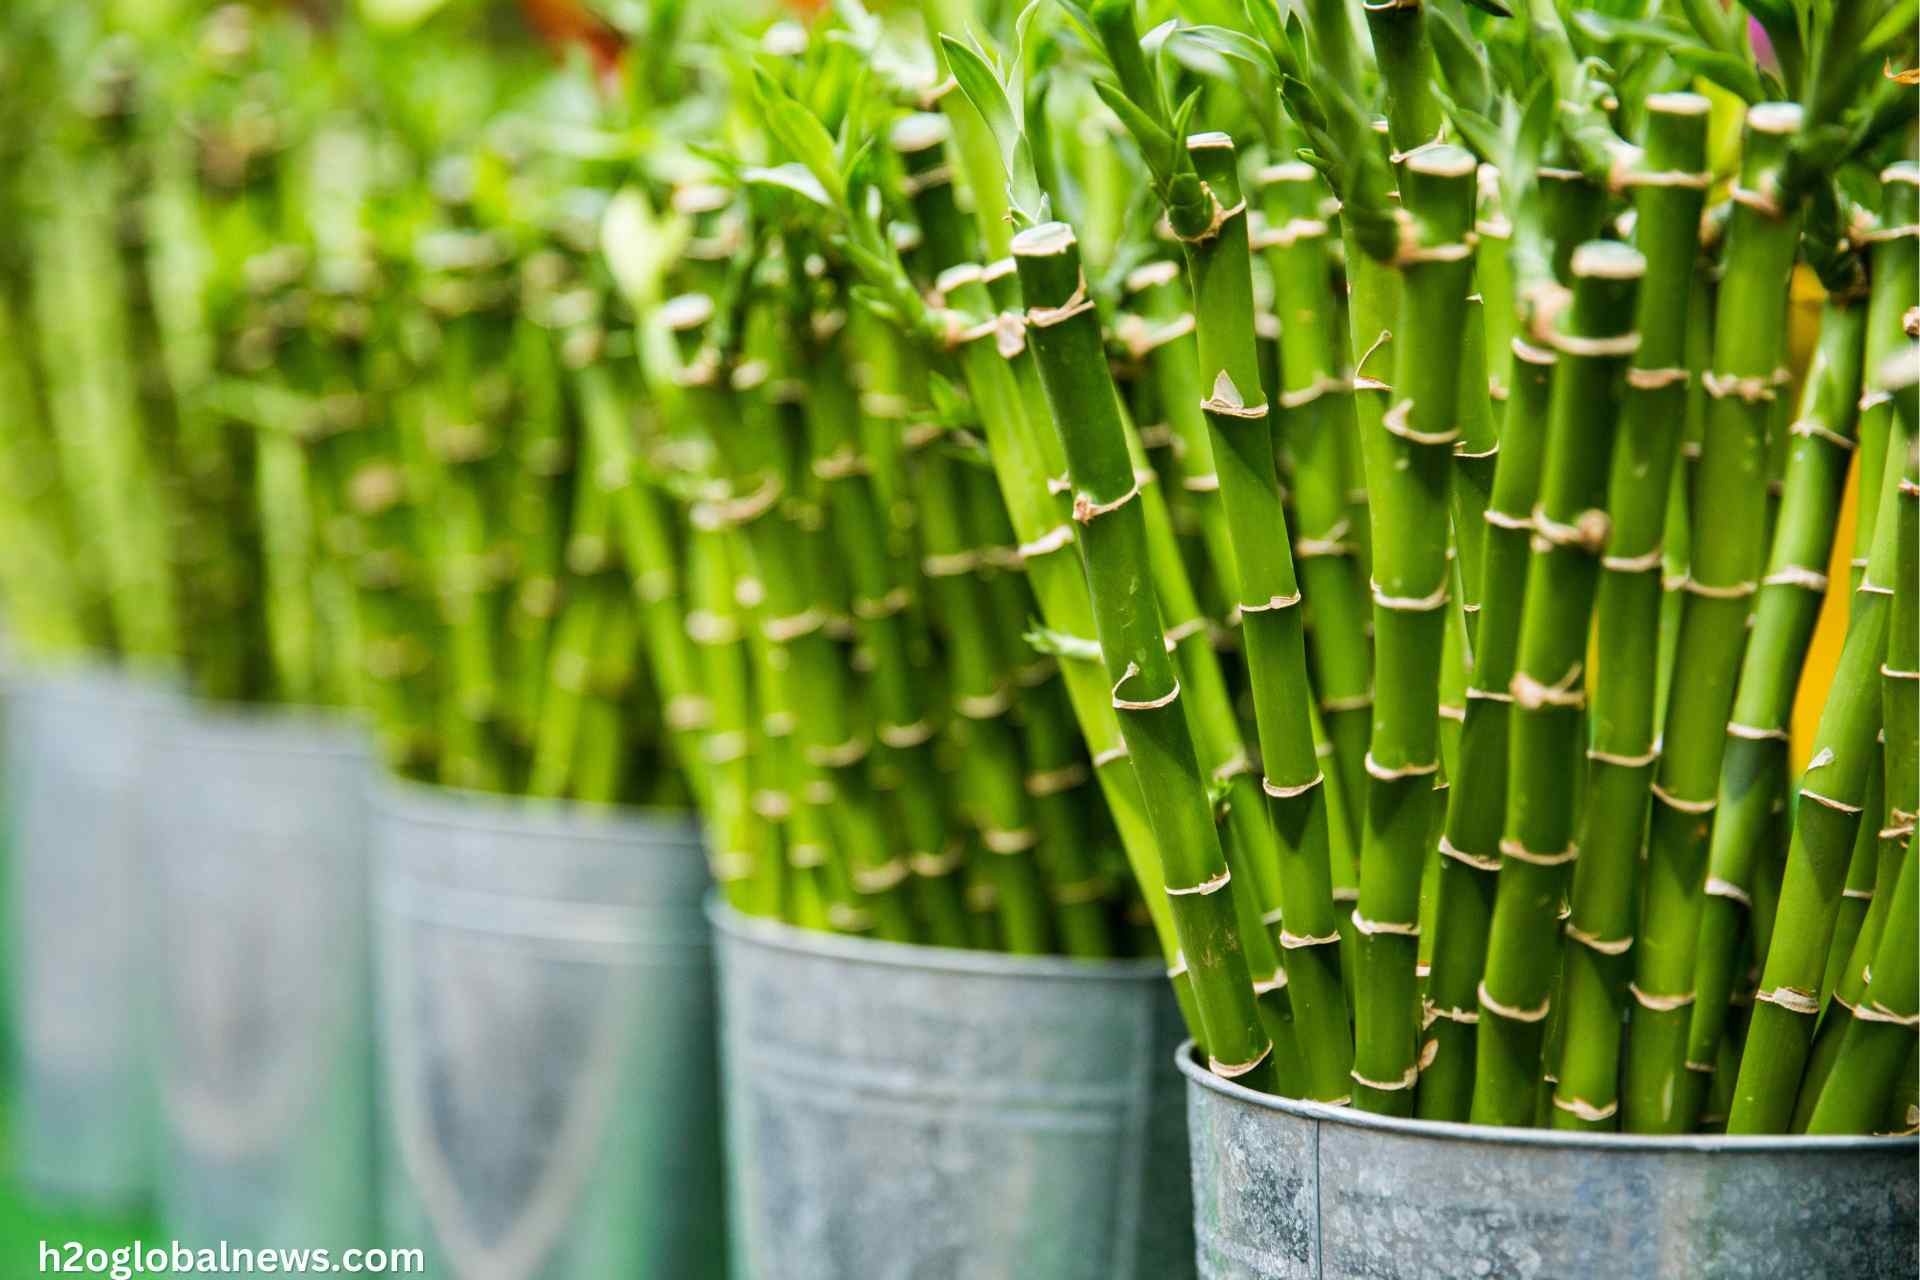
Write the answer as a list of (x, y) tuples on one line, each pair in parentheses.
[(1327, 491)]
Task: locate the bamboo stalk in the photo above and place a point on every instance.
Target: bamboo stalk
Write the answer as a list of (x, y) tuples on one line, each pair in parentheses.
[(1828, 815), (1408, 458), (1066, 341), (1572, 528), (1726, 564)]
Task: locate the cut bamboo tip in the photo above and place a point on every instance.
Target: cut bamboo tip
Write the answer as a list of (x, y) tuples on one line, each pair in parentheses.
[(1608, 260), (1905, 171), (1777, 118), (1442, 160), (687, 311), (1046, 240), (919, 131), (1678, 104), (1212, 139), (955, 277), (1292, 171)]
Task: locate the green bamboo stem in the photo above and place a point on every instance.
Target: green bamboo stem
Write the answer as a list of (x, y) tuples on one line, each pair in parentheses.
[(830, 753), (1601, 924), (1828, 814), (1572, 528), (1880, 1035), (1894, 268), (543, 454), (1065, 337), (990, 343), (1408, 456), (1857, 895), (1753, 771), (741, 848), (1726, 564), (880, 604), (1315, 409)]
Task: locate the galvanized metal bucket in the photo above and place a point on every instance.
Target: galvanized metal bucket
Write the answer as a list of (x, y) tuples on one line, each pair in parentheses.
[(264, 1058), (545, 1029), (78, 755), (1299, 1189), (899, 1112)]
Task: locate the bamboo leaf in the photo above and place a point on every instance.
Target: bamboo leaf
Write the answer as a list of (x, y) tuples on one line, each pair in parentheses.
[(801, 132), (1732, 73), (1462, 64), (791, 176), (1229, 43), (1155, 143)]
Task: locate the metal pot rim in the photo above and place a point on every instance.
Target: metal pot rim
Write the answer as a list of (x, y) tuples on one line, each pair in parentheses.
[(781, 936), (429, 804), (1504, 1136), (285, 729)]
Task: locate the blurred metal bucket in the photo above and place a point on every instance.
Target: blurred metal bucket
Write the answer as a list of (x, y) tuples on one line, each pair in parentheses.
[(545, 1028), (1285, 1189), (258, 851), (78, 755), (901, 1112)]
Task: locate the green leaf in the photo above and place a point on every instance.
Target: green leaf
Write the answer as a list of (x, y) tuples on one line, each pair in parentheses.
[(1493, 7), (791, 176), (1155, 143), (801, 133), (1230, 44), (1462, 64), (1730, 71)]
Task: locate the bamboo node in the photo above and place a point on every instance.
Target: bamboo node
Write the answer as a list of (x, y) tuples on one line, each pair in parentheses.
[(1212, 884), (1796, 576), (1149, 704), (1396, 421), (1588, 531), (1395, 774), (724, 748), (1732, 591), (792, 627), (1178, 969), (1295, 941), (1502, 520), (1406, 1081), (1017, 840), (1409, 604), (1478, 862), (1792, 1000), (1512, 1013), (1859, 895), (904, 737), (1877, 1012), (687, 712), (1220, 219), (1585, 1111), (952, 564), (1208, 483), (1232, 1071), (1873, 398), (1321, 385), (1054, 539), (1050, 782), (1346, 702), (1448, 711), (1511, 848), (1879, 235), (1755, 733), (1895, 673), (1813, 429), (1111, 755), (843, 756), (1236, 765), (1617, 345), (984, 706), (1646, 562), (1672, 801), (849, 919), (1460, 450), (1226, 400), (1656, 379), (1077, 302), (1288, 233), (1267, 986), (1273, 603), (1620, 760), (1720, 888), (1449, 1013), (1567, 692), (1594, 942), (880, 877), (1659, 1003), (1180, 632), (1753, 390), (774, 806), (1086, 510), (1428, 1052), (872, 610), (1398, 928), (1838, 806)]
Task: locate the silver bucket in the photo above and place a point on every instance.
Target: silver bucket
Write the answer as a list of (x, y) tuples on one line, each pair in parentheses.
[(545, 1031), (1299, 1189), (901, 1112), (78, 755), (258, 851)]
